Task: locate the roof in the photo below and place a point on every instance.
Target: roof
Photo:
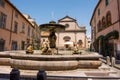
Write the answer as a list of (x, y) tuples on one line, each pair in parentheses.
[(72, 19), (8, 1)]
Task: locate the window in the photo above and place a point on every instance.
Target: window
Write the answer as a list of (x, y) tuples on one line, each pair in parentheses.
[(79, 43), (28, 42), (23, 27), (67, 38), (3, 18), (15, 27), (99, 26), (108, 19), (94, 31), (2, 3), (98, 12), (14, 45), (2, 44), (16, 14), (103, 23), (28, 31), (33, 35), (94, 20), (92, 34), (106, 2), (23, 45), (66, 25)]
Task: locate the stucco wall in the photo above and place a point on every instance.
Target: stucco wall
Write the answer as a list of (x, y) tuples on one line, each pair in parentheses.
[(9, 10)]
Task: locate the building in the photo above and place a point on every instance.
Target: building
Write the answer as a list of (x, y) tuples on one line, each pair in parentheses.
[(16, 31), (73, 34), (105, 28), (36, 32)]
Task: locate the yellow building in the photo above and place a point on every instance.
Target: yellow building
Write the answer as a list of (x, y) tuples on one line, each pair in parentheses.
[(15, 30)]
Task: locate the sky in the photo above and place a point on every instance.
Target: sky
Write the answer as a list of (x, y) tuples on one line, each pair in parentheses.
[(43, 11)]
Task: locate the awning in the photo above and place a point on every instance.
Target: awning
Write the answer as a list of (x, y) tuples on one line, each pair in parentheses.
[(68, 42)]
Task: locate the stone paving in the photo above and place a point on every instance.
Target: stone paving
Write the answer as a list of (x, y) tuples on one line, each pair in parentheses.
[(104, 70), (117, 66)]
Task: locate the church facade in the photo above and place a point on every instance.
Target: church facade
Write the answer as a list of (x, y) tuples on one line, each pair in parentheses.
[(73, 34)]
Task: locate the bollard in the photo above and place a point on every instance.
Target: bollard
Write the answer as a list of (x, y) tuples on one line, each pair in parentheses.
[(15, 74), (108, 60), (113, 61), (41, 75)]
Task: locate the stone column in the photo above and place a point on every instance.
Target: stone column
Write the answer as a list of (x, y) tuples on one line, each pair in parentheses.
[(108, 60), (113, 61)]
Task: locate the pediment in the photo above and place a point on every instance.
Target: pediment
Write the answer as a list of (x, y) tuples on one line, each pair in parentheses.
[(67, 18)]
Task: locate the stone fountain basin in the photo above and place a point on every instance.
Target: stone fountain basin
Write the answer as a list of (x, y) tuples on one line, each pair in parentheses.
[(50, 62)]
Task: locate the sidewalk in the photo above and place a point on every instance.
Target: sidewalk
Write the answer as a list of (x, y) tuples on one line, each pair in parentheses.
[(117, 63), (117, 66)]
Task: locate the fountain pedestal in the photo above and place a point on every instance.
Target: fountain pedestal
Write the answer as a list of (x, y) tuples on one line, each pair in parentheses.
[(54, 51), (52, 27), (50, 62)]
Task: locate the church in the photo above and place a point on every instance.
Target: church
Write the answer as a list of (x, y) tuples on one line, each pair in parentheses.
[(73, 34)]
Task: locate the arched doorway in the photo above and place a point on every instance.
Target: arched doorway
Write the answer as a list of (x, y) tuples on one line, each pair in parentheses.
[(80, 43), (110, 42), (67, 42)]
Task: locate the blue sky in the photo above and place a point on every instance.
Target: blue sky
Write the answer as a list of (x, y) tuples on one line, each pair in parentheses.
[(44, 11)]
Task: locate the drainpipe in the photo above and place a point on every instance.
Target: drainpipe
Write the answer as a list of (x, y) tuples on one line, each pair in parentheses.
[(11, 28)]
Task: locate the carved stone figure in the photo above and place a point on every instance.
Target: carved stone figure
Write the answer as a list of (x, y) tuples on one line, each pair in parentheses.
[(76, 50), (44, 47), (29, 49)]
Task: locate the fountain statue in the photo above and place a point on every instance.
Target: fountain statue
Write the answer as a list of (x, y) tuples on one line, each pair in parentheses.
[(76, 50), (52, 39), (52, 27), (44, 47), (30, 48)]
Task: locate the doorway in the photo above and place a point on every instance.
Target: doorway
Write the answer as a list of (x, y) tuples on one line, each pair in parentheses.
[(2, 43)]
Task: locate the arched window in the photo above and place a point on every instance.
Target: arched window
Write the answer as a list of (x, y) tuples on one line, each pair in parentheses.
[(99, 26), (67, 38), (80, 43), (106, 2), (108, 19), (66, 25), (103, 23)]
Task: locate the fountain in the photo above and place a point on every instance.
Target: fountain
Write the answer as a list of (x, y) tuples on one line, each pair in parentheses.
[(51, 62), (52, 27)]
